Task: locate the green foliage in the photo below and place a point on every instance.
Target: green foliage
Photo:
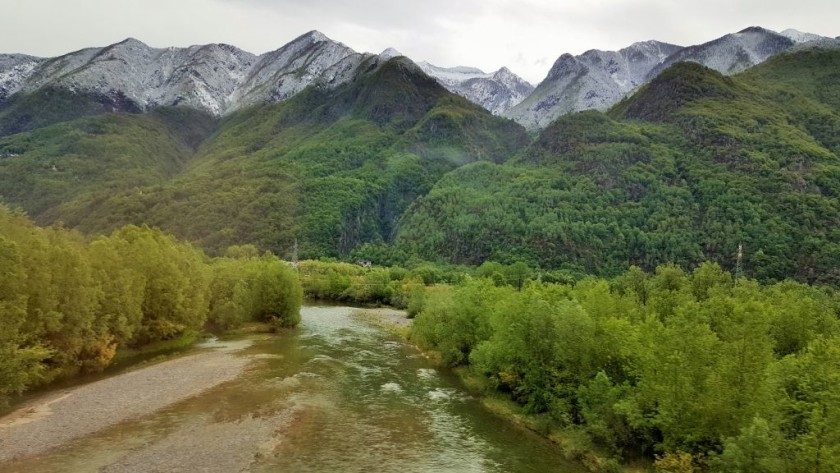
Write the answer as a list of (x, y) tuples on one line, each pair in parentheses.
[(51, 105), (453, 328), (330, 168), (686, 366), (67, 304), (344, 282), (92, 158), (751, 451), (686, 170), (275, 295), (392, 168)]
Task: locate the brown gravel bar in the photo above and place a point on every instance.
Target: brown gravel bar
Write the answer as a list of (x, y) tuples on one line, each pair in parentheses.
[(56, 419)]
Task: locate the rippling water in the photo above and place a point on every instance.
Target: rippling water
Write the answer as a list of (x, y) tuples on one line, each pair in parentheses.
[(379, 405), (334, 395)]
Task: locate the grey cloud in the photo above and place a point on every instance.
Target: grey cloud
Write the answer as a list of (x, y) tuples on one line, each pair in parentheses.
[(372, 14)]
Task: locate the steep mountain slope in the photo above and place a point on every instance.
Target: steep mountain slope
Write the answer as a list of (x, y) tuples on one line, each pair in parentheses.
[(280, 74), (43, 169), (593, 80), (731, 53), (14, 70), (333, 166), (497, 91), (202, 77), (132, 77), (596, 80), (687, 169), (801, 37)]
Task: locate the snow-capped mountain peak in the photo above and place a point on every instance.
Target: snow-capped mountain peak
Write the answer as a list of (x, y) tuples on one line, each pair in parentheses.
[(389, 53), (217, 78), (799, 37), (497, 91), (593, 80), (599, 79), (314, 35), (15, 69)]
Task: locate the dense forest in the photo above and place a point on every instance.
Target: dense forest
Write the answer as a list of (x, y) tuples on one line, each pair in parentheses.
[(69, 303), (686, 170), (330, 168), (393, 168), (700, 369)]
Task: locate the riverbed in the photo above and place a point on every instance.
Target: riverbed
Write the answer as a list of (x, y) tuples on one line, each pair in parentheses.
[(336, 394)]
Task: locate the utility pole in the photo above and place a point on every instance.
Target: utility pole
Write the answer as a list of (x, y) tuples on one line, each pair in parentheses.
[(738, 267), (295, 255)]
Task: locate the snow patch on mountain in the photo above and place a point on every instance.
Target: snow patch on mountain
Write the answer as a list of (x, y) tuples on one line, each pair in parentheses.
[(593, 80), (220, 78), (281, 74), (217, 78), (203, 77), (600, 79), (496, 92), (800, 37), (15, 69), (731, 53), (390, 53)]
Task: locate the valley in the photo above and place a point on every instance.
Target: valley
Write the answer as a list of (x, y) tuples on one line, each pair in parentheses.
[(632, 265)]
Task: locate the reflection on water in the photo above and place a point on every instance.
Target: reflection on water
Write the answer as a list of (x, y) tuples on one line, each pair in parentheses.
[(336, 394)]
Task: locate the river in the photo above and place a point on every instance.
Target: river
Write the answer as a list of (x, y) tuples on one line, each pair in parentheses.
[(334, 395)]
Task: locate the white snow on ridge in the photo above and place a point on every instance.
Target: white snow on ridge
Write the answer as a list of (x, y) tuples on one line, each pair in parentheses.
[(800, 37), (15, 69), (496, 92), (390, 53), (452, 75), (216, 78), (593, 80), (279, 75), (220, 78), (600, 79)]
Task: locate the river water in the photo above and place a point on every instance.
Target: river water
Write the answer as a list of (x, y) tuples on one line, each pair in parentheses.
[(334, 395)]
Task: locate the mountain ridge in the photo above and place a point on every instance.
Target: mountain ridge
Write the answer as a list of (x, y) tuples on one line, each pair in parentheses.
[(220, 78), (496, 91), (595, 80)]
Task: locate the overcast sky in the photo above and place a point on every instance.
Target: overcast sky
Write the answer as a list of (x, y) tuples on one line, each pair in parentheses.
[(526, 35)]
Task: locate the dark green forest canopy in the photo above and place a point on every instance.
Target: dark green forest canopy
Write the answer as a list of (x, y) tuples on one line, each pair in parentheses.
[(332, 168), (718, 373), (683, 171)]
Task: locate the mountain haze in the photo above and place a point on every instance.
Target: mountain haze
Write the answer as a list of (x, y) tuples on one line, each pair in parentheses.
[(686, 169)]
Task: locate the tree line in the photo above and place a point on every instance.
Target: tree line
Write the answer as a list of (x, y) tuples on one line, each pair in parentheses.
[(67, 302), (700, 371)]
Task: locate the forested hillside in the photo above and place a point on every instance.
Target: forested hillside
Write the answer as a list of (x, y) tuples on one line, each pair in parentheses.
[(333, 168), (685, 170), (392, 167)]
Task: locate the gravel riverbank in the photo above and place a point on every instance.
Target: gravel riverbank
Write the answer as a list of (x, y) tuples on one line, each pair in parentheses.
[(386, 317), (185, 414), (59, 418)]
